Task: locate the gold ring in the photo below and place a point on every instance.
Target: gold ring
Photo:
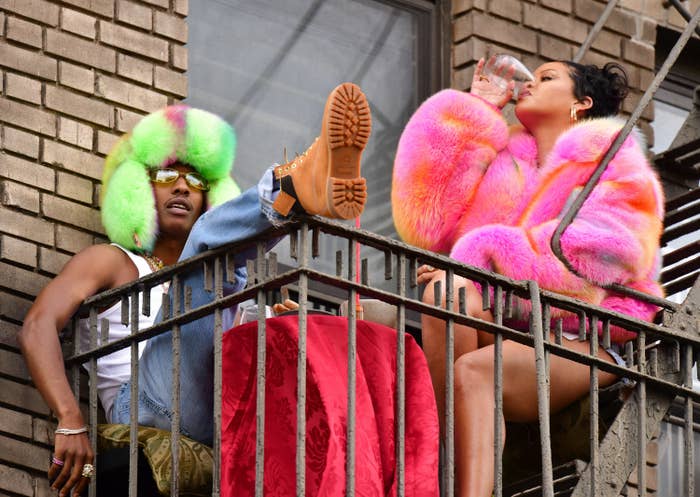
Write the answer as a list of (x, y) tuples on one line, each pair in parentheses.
[(88, 471)]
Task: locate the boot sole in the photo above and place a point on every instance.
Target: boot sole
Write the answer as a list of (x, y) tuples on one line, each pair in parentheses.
[(349, 127)]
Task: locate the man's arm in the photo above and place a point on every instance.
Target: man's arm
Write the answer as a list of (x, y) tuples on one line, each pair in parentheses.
[(96, 268)]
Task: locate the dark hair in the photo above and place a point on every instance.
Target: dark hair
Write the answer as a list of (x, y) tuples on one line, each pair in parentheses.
[(607, 86)]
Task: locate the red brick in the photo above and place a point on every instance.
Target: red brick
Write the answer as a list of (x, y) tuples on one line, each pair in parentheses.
[(24, 454), (81, 50), (39, 10), (72, 240), (135, 14), (126, 120), (24, 88), (12, 479), (73, 159), (28, 62), (105, 142), (182, 7), (102, 7), (130, 95), (133, 68), (551, 22), (76, 105), (171, 81), (22, 280), (170, 26), (639, 53), (74, 188), (16, 250), (27, 117), (75, 133), (179, 57), (20, 196), (510, 9), (21, 142), (22, 225), (27, 172), (619, 20), (52, 261), (79, 78), (24, 32), (133, 41), (69, 212), (78, 23)]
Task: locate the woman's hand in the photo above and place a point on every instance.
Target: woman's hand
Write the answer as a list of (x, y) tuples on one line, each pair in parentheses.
[(425, 273), (490, 91), (75, 452), (287, 305)]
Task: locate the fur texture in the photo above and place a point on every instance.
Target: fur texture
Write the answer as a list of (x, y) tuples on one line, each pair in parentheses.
[(464, 185), (175, 134)]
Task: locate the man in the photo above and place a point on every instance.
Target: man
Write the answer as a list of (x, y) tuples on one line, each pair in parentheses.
[(158, 186)]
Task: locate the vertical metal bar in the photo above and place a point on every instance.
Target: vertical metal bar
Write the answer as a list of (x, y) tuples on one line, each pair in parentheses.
[(689, 449), (314, 241), (176, 293), (219, 272), (353, 248), (542, 391), (594, 407), (597, 27), (303, 258), (339, 263), (133, 404), (606, 334), (498, 395), (364, 271), (449, 476), (642, 439), (146, 301), (260, 396), (485, 295), (387, 265), (401, 378), (412, 270), (93, 395)]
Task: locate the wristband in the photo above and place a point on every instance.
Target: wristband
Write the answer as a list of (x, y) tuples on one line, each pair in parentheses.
[(69, 431)]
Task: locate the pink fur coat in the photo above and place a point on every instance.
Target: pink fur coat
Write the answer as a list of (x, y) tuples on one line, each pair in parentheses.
[(467, 185)]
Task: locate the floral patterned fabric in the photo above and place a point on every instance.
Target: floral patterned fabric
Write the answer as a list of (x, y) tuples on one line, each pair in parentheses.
[(326, 411)]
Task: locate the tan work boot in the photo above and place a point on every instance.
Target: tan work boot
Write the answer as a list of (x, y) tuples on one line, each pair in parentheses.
[(325, 180)]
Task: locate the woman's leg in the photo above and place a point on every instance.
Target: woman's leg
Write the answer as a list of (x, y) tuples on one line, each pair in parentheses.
[(434, 336), (474, 403)]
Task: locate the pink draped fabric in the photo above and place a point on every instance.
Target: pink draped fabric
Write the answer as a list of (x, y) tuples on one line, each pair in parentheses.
[(326, 411)]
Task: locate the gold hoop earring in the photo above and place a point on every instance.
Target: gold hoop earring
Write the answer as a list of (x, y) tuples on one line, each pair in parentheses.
[(573, 116)]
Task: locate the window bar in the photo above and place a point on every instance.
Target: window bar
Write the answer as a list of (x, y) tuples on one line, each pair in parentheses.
[(606, 334), (145, 302), (597, 27), (594, 405), (547, 326), (339, 263), (93, 394), (542, 391), (314, 241), (558, 331), (400, 373), (388, 265), (219, 271), (449, 466), (642, 439), (412, 273), (498, 394), (353, 303), (689, 456), (260, 395), (208, 277), (230, 267), (175, 395), (132, 307), (302, 256), (364, 271), (581, 326), (293, 242), (485, 295)]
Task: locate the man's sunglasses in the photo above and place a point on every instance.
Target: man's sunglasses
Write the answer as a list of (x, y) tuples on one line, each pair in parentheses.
[(166, 176)]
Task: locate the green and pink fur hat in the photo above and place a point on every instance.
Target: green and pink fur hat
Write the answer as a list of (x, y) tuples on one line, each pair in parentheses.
[(177, 133)]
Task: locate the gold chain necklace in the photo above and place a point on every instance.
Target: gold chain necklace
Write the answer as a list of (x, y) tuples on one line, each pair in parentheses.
[(153, 261)]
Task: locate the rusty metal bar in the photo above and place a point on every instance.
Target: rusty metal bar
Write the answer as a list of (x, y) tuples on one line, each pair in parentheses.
[(576, 205), (683, 12), (353, 253), (542, 391), (176, 293), (642, 419), (597, 27), (400, 378), (498, 395), (133, 403), (688, 425), (92, 403), (303, 257), (449, 376), (219, 273), (594, 406), (260, 395)]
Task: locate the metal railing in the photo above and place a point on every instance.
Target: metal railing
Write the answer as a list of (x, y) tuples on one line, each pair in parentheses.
[(653, 369)]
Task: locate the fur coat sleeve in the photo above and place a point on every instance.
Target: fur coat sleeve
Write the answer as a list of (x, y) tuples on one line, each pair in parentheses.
[(443, 153)]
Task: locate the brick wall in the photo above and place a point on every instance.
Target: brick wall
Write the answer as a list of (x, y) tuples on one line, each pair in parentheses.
[(74, 75)]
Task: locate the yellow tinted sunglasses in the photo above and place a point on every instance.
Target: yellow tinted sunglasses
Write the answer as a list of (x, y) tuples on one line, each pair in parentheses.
[(167, 175)]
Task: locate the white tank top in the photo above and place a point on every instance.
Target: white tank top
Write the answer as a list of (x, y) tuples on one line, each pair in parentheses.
[(114, 369)]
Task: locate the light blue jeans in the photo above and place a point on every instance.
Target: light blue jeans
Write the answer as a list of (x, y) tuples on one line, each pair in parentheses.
[(243, 217)]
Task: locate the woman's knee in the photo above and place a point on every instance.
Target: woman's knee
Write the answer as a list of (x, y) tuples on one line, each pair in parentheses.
[(473, 375)]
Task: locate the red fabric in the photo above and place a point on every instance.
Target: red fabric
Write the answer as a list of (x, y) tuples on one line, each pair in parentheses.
[(326, 411)]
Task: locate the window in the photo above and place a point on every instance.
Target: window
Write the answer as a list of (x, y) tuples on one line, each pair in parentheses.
[(267, 66)]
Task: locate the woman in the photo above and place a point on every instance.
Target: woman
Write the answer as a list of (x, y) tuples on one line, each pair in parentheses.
[(490, 196)]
